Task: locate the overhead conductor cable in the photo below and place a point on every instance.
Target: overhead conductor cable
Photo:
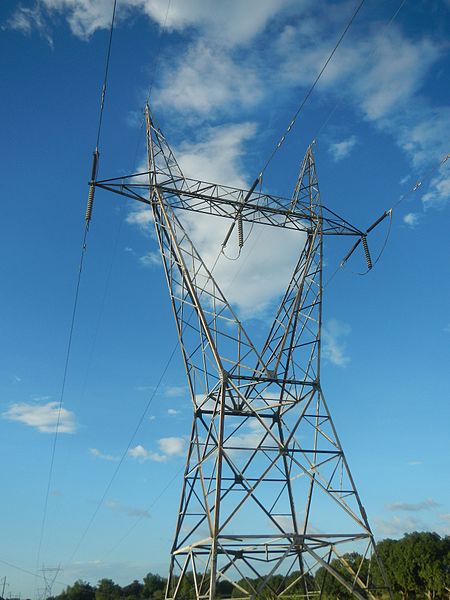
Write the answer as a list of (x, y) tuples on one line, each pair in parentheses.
[(96, 154), (88, 216)]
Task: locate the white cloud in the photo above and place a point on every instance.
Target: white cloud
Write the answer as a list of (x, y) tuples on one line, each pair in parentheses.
[(378, 73), (398, 526), (334, 334), (421, 131), (140, 453), (141, 216), (412, 506), (411, 219), (172, 446), (43, 417), (173, 412), (206, 80), (439, 191), (252, 283), (95, 452), (130, 511), (340, 150), (83, 16), (144, 388), (151, 259), (217, 155), (26, 20), (174, 391), (396, 70), (381, 73), (269, 255), (169, 446), (405, 179), (447, 328), (415, 463), (250, 436), (230, 22)]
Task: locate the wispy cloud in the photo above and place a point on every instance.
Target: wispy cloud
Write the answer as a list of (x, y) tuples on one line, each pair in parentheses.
[(144, 388), (142, 454), (244, 20), (173, 412), (334, 348), (151, 259), (175, 391), (268, 257), (172, 446), (439, 191), (404, 180), (217, 154), (411, 219), (340, 150), (130, 511), (26, 20), (397, 526), (207, 81), (95, 452), (412, 506), (42, 417), (140, 216), (168, 447)]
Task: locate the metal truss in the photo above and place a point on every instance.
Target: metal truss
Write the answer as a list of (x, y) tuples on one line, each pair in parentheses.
[(267, 496)]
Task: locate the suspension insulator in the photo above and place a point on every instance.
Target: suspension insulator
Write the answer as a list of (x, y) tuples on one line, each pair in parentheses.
[(367, 252), (90, 202), (240, 231)]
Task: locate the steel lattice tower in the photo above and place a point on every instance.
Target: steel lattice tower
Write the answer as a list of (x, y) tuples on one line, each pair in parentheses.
[(267, 495)]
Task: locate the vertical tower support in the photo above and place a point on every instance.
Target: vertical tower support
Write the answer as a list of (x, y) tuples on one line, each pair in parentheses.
[(267, 497)]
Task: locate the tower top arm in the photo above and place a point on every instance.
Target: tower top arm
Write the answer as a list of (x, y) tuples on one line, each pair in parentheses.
[(226, 201)]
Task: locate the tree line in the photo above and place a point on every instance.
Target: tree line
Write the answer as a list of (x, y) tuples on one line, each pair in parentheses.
[(417, 565)]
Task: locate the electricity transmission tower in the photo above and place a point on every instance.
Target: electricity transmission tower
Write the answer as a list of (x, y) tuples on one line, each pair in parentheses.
[(49, 575), (267, 496)]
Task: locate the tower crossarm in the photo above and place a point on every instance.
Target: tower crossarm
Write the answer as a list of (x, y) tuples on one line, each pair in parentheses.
[(229, 202)]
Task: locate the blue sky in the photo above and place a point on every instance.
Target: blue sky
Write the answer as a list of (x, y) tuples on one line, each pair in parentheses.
[(228, 79)]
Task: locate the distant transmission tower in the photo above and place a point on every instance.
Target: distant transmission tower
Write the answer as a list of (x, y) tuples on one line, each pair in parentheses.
[(268, 497), (49, 574)]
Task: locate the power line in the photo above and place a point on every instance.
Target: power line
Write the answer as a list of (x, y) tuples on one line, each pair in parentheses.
[(27, 571), (105, 80), (77, 289), (389, 213), (311, 89), (63, 388), (339, 102), (158, 52), (123, 456), (141, 517)]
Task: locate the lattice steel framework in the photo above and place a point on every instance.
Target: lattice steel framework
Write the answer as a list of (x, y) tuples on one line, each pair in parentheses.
[(267, 495)]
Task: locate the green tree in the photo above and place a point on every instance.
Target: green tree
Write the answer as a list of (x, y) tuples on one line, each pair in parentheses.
[(107, 590), (352, 567), (80, 590), (427, 550), (154, 586), (133, 591)]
